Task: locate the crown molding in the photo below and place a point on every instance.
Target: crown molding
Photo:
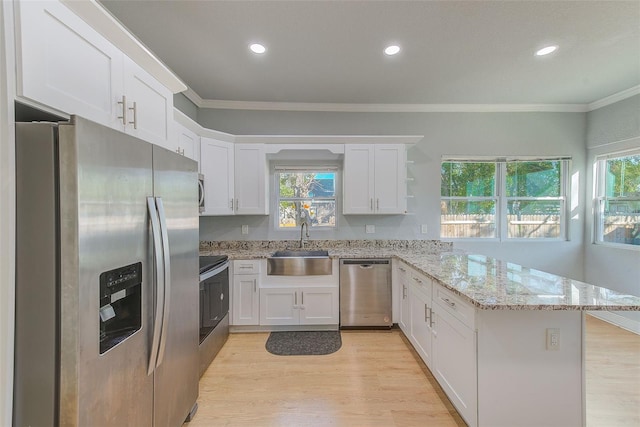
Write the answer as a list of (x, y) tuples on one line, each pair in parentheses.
[(612, 99), (390, 108), (408, 108), (328, 139)]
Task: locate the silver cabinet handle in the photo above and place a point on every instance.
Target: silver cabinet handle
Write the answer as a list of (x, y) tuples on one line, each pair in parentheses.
[(449, 302), (377, 204), (404, 292), (135, 115), (426, 316), (123, 117), (231, 204), (255, 285), (402, 269), (302, 297), (201, 187), (431, 321), (296, 298), (417, 280), (371, 204)]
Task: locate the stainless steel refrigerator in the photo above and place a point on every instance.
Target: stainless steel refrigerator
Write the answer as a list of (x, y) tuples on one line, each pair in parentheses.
[(107, 279)]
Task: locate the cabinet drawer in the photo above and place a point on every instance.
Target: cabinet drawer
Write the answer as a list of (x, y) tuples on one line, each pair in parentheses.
[(246, 266), (455, 305), (420, 282)]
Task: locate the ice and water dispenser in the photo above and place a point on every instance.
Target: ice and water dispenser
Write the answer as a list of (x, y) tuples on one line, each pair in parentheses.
[(120, 304)]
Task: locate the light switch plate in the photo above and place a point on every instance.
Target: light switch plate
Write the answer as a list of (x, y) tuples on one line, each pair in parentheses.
[(369, 228), (553, 339), (245, 229), (423, 229)]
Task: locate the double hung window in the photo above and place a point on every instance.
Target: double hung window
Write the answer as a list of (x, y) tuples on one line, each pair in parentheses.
[(306, 196), (618, 199), (503, 199)]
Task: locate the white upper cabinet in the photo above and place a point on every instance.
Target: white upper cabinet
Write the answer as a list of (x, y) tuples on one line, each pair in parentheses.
[(64, 64), (149, 106), (374, 179), (217, 166), (185, 142), (235, 177), (251, 183)]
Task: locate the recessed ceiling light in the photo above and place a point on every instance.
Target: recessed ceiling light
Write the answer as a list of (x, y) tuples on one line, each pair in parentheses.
[(257, 48), (392, 50), (546, 50)]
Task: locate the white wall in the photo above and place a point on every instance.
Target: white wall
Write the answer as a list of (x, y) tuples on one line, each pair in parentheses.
[(611, 129), (7, 214), (481, 134)]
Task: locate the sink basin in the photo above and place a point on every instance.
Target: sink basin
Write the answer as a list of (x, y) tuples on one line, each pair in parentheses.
[(300, 253), (299, 263)]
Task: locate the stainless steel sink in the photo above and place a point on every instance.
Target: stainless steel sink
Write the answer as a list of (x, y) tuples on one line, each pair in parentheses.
[(299, 263)]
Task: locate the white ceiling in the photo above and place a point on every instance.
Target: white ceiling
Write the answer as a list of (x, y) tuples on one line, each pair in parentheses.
[(453, 52)]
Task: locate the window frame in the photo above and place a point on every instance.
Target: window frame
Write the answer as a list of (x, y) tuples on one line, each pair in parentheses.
[(599, 192), (306, 168), (502, 200)]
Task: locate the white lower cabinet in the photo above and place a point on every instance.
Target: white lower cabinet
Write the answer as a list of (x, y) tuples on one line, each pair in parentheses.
[(421, 317), (245, 302), (441, 328), (405, 308), (299, 306), (454, 362)]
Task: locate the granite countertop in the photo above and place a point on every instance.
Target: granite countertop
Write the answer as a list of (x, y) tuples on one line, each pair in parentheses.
[(485, 282)]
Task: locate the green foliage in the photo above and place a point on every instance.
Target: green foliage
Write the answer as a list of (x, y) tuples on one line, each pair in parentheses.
[(466, 179), (623, 177)]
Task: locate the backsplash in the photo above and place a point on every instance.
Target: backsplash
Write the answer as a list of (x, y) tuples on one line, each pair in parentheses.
[(422, 245)]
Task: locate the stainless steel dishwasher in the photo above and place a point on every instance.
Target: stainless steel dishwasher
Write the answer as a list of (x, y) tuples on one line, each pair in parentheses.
[(365, 293)]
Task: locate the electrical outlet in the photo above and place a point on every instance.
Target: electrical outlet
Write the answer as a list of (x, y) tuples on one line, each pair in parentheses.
[(369, 228), (423, 228), (553, 339), (245, 229)]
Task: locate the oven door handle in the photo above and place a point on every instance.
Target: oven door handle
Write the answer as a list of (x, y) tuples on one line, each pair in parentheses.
[(208, 274)]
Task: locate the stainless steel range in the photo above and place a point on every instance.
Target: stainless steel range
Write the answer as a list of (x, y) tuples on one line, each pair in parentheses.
[(214, 307)]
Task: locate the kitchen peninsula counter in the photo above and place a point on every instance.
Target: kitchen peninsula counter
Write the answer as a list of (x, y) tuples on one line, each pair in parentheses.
[(485, 282), (505, 342)]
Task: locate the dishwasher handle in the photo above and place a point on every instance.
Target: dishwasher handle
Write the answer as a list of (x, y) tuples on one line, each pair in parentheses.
[(365, 262)]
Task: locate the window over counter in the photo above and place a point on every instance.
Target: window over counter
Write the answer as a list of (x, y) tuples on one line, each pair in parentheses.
[(503, 198), (306, 194), (618, 199)]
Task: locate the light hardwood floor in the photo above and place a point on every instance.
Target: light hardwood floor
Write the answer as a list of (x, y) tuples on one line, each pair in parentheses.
[(376, 379), (612, 375)]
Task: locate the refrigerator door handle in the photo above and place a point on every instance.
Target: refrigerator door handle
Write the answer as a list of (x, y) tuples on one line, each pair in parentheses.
[(158, 257), (167, 278)]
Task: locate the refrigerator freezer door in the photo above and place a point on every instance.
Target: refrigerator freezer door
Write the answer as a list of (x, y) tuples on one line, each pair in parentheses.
[(176, 377), (105, 178)]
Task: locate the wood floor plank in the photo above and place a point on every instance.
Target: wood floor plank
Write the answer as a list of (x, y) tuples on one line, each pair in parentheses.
[(377, 379)]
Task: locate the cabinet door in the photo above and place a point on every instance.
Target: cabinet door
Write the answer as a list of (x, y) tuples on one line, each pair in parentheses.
[(404, 298), (216, 164), (390, 185), (186, 142), (421, 337), (319, 306), (246, 304), (279, 306), (149, 106), (65, 64), (251, 180), (454, 362), (358, 179)]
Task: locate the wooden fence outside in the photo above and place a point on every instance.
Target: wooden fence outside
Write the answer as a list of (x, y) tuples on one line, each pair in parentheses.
[(617, 228)]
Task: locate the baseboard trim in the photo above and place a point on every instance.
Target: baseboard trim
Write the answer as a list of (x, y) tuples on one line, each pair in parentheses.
[(617, 320)]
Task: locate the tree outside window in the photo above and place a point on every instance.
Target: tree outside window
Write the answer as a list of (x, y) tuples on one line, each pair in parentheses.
[(618, 189), (306, 196)]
